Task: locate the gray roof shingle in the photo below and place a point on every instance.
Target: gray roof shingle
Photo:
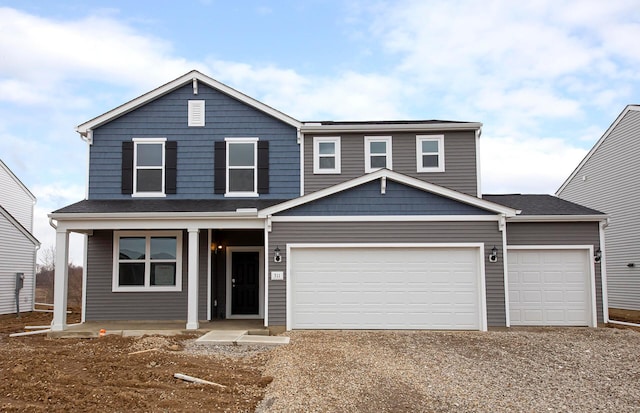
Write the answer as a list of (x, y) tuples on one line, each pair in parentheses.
[(164, 205), (534, 204)]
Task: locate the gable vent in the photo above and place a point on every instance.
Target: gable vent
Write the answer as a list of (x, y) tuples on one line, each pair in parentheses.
[(196, 113)]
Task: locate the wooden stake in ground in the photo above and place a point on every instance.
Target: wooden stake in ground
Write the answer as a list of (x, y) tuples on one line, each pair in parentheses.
[(197, 380), (143, 351)]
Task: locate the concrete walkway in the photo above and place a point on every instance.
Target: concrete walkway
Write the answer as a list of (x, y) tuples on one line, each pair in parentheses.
[(241, 337)]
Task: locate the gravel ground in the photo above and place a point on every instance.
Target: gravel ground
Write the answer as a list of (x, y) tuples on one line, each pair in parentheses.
[(521, 370)]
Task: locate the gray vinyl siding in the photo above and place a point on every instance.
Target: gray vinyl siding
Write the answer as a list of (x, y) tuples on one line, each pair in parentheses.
[(398, 199), (560, 233), (17, 254), (608, 182), (460, 160), (103, 304), (15, 199), (166, 117), (284, 233)]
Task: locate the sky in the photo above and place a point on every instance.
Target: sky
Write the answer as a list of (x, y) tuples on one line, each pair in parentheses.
[(545, 77)]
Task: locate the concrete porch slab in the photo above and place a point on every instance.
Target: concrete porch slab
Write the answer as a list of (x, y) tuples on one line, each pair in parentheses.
[(264, 340), (224, 338)]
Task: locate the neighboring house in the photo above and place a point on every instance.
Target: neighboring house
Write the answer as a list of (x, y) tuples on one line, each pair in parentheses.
[(607, 179), (18, 246), (205, 204)]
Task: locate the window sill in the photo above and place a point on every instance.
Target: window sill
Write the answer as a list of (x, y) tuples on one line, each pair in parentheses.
[(148, 195), (158, 289), (241, 195)]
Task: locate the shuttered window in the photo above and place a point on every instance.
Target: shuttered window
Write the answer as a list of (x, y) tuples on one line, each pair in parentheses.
[(241, 167), (149, 167)]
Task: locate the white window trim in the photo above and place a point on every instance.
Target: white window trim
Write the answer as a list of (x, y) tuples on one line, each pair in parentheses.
[(246, 194), (147, 268), (143, 141), (196, 106), (419, 153), (367, 152), (317, 140)]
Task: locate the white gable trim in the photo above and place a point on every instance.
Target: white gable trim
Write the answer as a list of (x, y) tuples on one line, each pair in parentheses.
[(394, 176), (597, 145), (187, 78)]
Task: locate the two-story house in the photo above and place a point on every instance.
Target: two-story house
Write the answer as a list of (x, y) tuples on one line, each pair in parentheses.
[(204, 204), (18, 246)]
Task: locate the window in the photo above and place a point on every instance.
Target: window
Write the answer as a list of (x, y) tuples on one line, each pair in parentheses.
[(148, 165), (196, 113), (377, 153), (326, 155), (147, 261), (430, 153), (242, 177)]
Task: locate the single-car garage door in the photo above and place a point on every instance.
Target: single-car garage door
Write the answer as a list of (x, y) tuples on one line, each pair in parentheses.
[(549, 287), (386, 288)]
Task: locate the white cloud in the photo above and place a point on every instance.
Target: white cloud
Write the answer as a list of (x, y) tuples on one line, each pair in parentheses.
[(526, 165)]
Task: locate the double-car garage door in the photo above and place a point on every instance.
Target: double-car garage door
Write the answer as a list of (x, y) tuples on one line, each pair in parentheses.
[(386, 288)]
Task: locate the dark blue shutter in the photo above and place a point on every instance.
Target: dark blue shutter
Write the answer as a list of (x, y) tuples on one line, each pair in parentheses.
[(127, 167), (220, 167), (171, 167), (263, 167)]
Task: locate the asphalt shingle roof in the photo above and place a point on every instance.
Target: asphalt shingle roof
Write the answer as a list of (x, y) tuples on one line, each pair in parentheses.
[(534, 204), (164, 205)]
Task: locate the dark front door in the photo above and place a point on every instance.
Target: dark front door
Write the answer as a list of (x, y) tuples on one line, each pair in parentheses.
[(245, 282)]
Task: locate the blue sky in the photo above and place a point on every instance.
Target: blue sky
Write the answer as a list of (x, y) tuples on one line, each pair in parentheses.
[(546, 78)]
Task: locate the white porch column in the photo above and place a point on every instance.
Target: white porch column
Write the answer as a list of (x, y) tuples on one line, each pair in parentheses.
[(192, 296), (60, 284)]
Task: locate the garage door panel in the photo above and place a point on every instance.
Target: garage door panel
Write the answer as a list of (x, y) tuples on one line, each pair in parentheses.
[(549, 287), (377, 288)]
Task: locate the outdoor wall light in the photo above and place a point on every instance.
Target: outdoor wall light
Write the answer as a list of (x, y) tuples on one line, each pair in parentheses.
[(493, 257), (631, 265), (216, 247), (597, 257), (276, 255)]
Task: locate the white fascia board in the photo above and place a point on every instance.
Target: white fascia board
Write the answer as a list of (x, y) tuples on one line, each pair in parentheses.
[(187, 78), (397, 127), (557, 218), (83, 225), (597, 145), (386, 218), (394, 176)]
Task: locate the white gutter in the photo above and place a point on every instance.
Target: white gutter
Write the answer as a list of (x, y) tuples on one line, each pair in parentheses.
[(388, 127), (557, 218)]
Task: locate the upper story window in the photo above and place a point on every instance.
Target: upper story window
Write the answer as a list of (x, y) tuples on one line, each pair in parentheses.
[(377, 153), (430, 153), (242, 166), (326, 155), (148, 166), (147, 261)]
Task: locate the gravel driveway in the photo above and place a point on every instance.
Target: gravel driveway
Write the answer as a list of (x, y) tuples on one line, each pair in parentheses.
[(518, 370)]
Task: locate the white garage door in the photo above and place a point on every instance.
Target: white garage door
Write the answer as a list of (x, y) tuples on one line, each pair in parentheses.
[(549, 287), (385, 288)]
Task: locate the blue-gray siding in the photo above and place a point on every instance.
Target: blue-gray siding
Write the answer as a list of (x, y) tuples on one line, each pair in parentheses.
[(399, 199), (559, 233), (166, 117), (459, 150), (103, 304), (487, 232)]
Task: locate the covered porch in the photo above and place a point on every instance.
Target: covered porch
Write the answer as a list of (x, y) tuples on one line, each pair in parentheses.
[(215, 278)]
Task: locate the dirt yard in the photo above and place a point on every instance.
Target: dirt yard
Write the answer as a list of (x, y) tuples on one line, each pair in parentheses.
[(41, 374)]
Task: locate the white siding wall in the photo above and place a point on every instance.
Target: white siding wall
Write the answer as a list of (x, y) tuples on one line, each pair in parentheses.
[(15, 198), (609, 181), (17, 254)]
